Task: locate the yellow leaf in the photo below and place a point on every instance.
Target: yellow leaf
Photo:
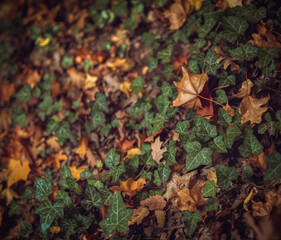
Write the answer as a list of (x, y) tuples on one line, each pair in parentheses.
[(90, 81), (132, 152), (160, 216), (234, 3), (55, 229), (131, 187), (76, 171), (253, 192), (83, 146), (44, 42), (9, 194), (125, 88), (138, 215), (212, 176), (18, 171), (196, 3)]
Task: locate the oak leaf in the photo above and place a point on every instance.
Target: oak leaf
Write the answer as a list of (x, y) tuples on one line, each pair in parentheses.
[(131, 187), (189, 88), (156, 202), (83, 146), (19, 170), (177, 13), (228, 60), (139, 214), (157, 152)]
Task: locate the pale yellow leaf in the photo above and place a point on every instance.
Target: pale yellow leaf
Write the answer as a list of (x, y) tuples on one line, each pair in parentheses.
[(160, 216), (139, 214)]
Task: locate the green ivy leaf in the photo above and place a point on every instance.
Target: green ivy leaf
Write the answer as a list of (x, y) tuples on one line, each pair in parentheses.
[(168, 71), (25, 229), (191, 220), (166, 89), (137, 85), (64, 198), (170, 154), (148, 39), (84, 222), (160, 3), (106, 196), (162, 103), (212, 205), (164, 172), (43, 189), (247, 172), (204, 130), (153, 63), (66, 62), (224, 118), (165, 54), (100, 102), (225, 79), (24, 95), (97, 119), (196, 155), (232, 132), (63, 133), (157, 180), (48, 213), (210, 189), (68, 226), (117, 216), (266, 56), (251, 145), (46, 106), (182, 127), (68, 182), (112, 158), (245, 52), (253, 14), (158, 123), (53, 124), (221, 96), (115, 172), (218, 145), (209, 64), (27, 193), (18, 116), (225, 174), (14, 209), (273, 166), (92, 198)]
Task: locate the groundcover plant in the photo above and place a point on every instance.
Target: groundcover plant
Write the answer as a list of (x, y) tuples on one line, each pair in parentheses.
[(130, 119)]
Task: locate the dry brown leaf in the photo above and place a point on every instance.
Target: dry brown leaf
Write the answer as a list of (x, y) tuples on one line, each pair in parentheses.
[(177, 13), (124, 144), (83, 146), (222, 4), (156, 202), (160, 216), (179, 62), (32, 77), (132, 152), (189, 88), (252, 193), (53, 142), (77, 78), (245, 89), (131, 187), (90, 81), (157, 152), (6, 91), (234, 3), (5, 119), (229, 109), (124, 64), (228, 60), (92, 159), (120, 37), (212, 176), (18, 170), (83, 14), (56, 158), (197, 4), (125, 87), (258, 161), (139, 214)]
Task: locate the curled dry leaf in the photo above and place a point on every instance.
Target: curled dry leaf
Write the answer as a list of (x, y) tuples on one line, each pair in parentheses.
[(189, 88), (156, 202), (258, 161), (157, 152), (92, 159), (177, 13), (245, 89), (229, 109), (139, 214), (228, 60), (124, 144), (131, 187)]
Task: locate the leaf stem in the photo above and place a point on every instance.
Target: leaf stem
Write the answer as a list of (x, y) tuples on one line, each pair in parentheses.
[(211, 100), (140, 172)]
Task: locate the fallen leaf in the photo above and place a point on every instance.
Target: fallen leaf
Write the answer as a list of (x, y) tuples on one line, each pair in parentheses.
[(207, 110), (132, 152), (245, 89), (19, 170), (139, 214), (156, 202), (229, 109), (179, 62), (1, 214), (83, 14), (222, 4), (9, 194), (5, 119), (32, 77), (234, 3), (252, 193), (189, 88), (160, 216), (131, 187), (124, 64), (228, 60), (53, 142), (43, 42), (55, 159), (212, 176), (120, 37), (157, 152), (177, 13), (92, 159), (77, 171), (90, 81), (124, 145), (6, 91), (196, 3), (83, 146), (125, 87), (55, 229), (258, 161), (77, 78)]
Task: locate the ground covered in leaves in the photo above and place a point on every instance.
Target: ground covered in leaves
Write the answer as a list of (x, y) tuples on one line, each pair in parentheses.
[(151, 119)]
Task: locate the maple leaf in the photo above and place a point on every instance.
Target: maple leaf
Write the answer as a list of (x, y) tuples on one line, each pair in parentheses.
[(139, 214), (189, 88), (83, 146), (124, 145), (131, 187), (56, 158), (177, 13), (156, 202), (228, 60), (157, 152), (19, 170), (90, 81)]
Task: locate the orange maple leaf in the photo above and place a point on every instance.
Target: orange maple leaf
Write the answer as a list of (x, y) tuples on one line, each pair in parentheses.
[(131, 187), (83, 146), (189, 88), (124, 144), (55, 159), (18, 170)]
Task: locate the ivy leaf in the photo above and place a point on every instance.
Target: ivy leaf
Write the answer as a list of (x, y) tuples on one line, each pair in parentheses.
[(251, 145), (117, 216), (168, 71), (221, 96), (170, 154), (273, 166), (68, 182), (210, 65), (162, 103), (27, 193), (112, 158), (191, 220), (233, 27), (204, 129), (232, 132), (165, 54), (97, 119), (106, 196), (53, 124), (100, 102), (182, 127), (92, 198), (137, 85), (48, 213), (18, 116), (245, 52), (153, 63), (225, 174), (43, 189), (63, 133), (210, 189), (166, 89), (266, 56), (115, 172), (157, 179), (164, 172), (64, 198), (148, 39), (212, 205), (224, 118), (24, 95), (84, 222), (247, 172), (253, 14), (68, 226), (218, 145), (148, 159), (14, 209), (196, 155), (46, 106), (25, 229), (225, 79), (158, 123)]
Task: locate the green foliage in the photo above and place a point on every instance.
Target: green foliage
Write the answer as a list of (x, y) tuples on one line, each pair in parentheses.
[(137, 84), (191, 220), (63, 133), (66, 62), (245, 52), (112, 158), (27, 193), (68, 182), (14, 208), (92, 198), (24, 95), (273, 166), (212, 205), (18, 116), (117, 216), (247, 172), (25, 229), (43, 189), (210, 189), (225, 174), (164, 172), (251, 145), (165, 55)]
